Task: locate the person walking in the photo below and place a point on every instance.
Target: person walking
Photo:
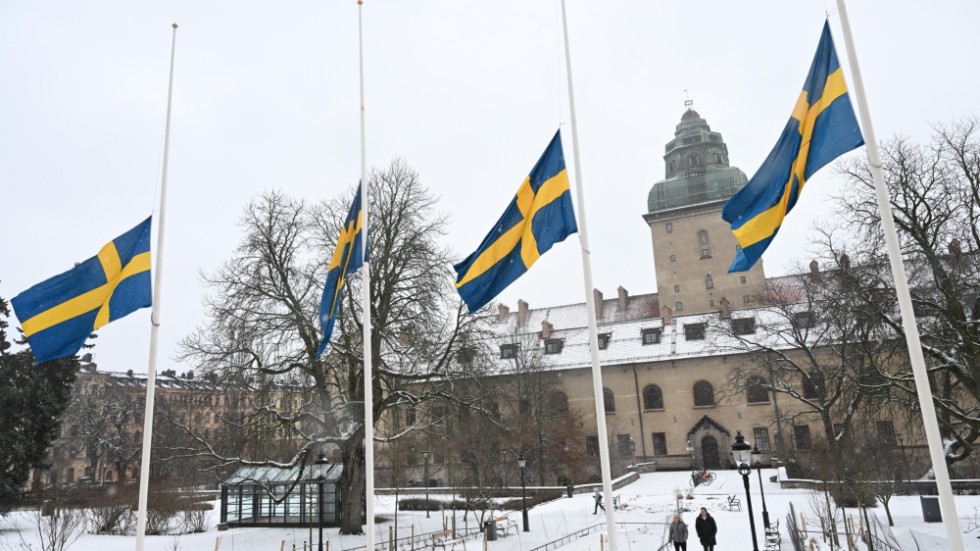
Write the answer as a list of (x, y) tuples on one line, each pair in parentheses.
[(706, 528), (678, 534), (597, 496)]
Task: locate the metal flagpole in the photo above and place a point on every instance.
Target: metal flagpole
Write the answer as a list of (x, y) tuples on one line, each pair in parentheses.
[(936, 449), (366, 311), (151, 370), (600, 410)]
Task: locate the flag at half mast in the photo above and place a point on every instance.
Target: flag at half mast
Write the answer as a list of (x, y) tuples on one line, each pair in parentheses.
[(348, 256), (539, 216), (58, 314), (821, 128)]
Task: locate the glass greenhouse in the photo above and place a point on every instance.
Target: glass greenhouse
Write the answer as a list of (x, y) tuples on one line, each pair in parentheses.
[(258, 496)]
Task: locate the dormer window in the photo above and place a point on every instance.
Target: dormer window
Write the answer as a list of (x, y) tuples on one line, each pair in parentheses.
[(743, 326), (509, 351), (553, 346), (694, 331), (651, 336), (604, 340)]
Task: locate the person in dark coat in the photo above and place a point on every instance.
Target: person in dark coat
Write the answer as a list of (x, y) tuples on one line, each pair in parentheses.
[(597, 496), (706, 528), (678, 534)]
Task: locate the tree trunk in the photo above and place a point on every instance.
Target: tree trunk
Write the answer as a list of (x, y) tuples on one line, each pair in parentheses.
[(352, 485), (888, 511)]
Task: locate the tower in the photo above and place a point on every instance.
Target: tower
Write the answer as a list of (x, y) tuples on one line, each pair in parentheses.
[(692, 246)]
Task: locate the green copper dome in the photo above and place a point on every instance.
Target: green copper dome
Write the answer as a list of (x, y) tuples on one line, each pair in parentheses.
[(697, 169)]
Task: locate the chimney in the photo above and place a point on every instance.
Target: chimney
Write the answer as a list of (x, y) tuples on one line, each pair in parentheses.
[(521, 313), (665, 314), (546, 329), (814, 271), (955, 248), (726, 309), (502, 313), (845, 262), (597, 298), (624, 298)]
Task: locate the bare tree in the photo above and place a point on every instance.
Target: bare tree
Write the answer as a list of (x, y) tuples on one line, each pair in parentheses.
[(935, 198), (262, 335)]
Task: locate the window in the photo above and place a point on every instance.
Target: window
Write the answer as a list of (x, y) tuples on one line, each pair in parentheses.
[(592, 446), (677, 288), (524, 407), (705, 253), (756, 390), (743, 326), (624, 443), (717, 159), (659, 443), (553, 346), (509, 351), (679, 307), (558, 401), (803, 320), (745, 299), (813, 385), (704, 394), (650, 336), (708, 282), (439, 459), (608, 401), (801, 433), (886, 434), (761, 435), (703, 237), (711, 303), (604, 340), (673, 258), (670, 227), (742, 280), (694, 331), (653, 398)]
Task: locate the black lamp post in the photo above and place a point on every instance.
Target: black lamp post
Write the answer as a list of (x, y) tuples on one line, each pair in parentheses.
[(321, 468), (522, 465), (425, 457), (742, 452), (757, 461)]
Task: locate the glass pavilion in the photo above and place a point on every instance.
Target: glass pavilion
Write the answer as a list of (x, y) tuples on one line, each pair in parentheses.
[(259, 496)]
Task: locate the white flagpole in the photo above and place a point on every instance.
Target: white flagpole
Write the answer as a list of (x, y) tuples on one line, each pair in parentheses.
[(151, 370), (366, 312), (933, 436), (600, 410)]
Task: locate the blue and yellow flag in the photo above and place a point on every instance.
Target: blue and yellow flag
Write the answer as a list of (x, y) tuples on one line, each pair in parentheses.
[(821, 128), (348, 256), (58, 314), (540, 215)]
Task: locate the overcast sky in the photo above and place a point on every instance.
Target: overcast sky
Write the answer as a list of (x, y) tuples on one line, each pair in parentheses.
[(468, 93)]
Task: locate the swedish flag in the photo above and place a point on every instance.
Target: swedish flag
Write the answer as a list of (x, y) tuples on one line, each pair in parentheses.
[(539, 216), (348, 256), (58, 314), (821, 128)]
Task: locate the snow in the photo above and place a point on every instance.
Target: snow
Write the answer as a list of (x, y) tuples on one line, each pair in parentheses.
[(646, 506)]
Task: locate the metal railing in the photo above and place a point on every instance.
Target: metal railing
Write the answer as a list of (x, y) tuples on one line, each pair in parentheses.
[(568, 538)]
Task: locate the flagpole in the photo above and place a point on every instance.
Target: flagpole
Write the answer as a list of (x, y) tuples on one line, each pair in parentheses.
[(922, 387), (366, 310), (583, 232), (151, 371)]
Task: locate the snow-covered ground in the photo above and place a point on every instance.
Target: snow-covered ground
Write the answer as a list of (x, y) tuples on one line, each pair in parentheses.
[(645, 507)]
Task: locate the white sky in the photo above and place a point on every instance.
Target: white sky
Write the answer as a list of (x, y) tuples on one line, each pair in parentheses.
[(468, 93)]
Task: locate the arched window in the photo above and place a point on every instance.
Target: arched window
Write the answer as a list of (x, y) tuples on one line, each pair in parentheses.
[(704, 394), (653, 398), (608, 400), (559, 402), (709, 283), (813, 385), (756, 390)]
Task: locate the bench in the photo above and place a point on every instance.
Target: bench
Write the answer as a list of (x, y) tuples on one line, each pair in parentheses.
[(734, 503), (504, 524), (446, 541)]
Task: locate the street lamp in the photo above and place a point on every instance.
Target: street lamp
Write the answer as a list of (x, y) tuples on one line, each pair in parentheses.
[(757, 461), (321, 477), (425, 457), (522, 465), (742, 452)]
